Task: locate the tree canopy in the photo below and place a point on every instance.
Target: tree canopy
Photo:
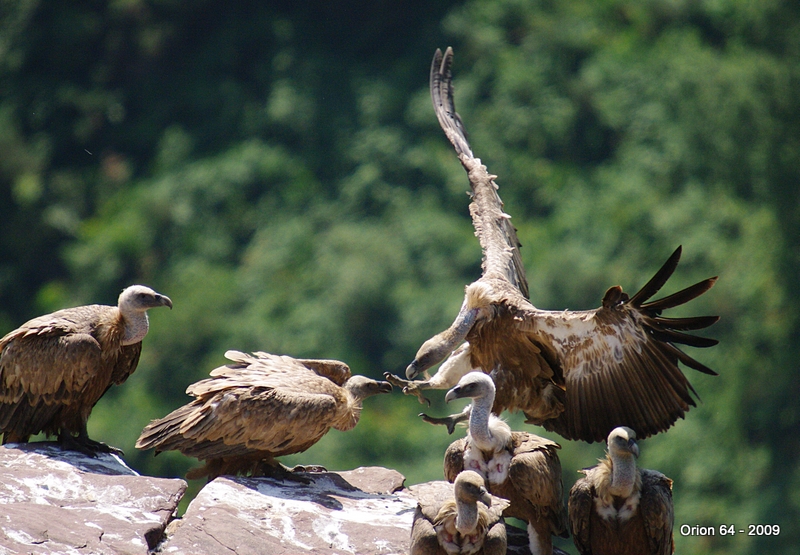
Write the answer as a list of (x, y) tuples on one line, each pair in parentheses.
[(277, 170)]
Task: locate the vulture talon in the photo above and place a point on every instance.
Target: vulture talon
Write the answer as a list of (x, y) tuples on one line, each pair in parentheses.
[(448, 421), (409, 387)]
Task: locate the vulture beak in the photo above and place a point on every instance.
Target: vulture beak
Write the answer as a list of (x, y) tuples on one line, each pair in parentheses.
[(634, 448), (454, 393), (485, 498), (384, 387), (412, 370), (163, 300)]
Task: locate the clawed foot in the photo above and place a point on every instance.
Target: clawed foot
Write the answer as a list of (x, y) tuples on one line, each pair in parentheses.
[(88, 447), (449, 421), (408, 387), (309, 468)]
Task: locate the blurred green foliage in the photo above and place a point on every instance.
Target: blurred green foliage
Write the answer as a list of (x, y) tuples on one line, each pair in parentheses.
[(277, 170)]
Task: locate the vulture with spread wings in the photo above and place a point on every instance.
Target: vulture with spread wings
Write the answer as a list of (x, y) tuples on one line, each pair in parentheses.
[(577, 373)]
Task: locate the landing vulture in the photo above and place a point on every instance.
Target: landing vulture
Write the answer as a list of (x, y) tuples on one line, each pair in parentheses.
[(260, 407), (54, 368), (518, 466), (577, 373), (459, 519), (618, 508)]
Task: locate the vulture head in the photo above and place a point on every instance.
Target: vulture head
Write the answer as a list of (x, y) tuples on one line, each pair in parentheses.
[(361, 387), (133, 304), (469, 488), (140, 298), (622, 443), (474, 385), (477, 308)]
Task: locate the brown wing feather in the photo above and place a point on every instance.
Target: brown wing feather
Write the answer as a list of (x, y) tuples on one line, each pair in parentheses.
[(284, 409), (535, 471), (619, 362), (52, 365), (657, 511), (454, 459), (580, 511), (424, 540), (496, 234)]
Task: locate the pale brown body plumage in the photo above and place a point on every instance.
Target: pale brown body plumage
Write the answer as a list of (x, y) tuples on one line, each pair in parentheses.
[(577, 373), (54, 368), (434, 525), (637, 523), (260, 407)]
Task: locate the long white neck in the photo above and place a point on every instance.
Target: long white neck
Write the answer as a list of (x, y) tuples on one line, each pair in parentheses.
[(623, 474), (479, 422), (136, 326), (466, 517)]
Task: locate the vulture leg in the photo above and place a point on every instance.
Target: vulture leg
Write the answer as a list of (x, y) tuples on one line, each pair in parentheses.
[(308, 468), (85, 444), (449, 421), (410, 387)]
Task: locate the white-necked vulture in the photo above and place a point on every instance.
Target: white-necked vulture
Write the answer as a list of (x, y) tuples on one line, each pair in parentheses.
[(618, 508), (260, 407), (577, 373), (462, 518), (518, 466), (54, 368)]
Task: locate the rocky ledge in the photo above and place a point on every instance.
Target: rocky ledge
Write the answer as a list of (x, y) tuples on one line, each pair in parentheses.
[(63, 502)]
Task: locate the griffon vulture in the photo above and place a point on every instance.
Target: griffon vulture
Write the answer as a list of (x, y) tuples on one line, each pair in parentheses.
[(459, 519), (518, 466), (54, 368), (577, 373), (260, 407), (618, 508)]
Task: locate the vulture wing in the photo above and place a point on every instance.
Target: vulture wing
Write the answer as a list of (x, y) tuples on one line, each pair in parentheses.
[(454, 459), (620, 362), (657, 511), (580, 514), (282, 410), (50, 358), (498, 238)]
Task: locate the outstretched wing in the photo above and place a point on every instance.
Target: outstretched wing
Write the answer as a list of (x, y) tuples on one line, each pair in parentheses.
[(620, 362), (498, 238)]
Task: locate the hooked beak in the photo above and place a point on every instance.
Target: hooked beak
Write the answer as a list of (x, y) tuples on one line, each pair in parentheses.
[(486, 498), (412, 370), (454, 393), (384, 387), (163, 300), (634, 448)]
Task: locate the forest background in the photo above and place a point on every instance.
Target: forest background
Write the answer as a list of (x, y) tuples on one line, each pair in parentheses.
[(276, 169)]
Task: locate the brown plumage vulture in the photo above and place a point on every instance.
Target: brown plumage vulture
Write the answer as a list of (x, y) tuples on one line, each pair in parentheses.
[(260, 407), (618, 508), (462, 518), (577, 373), (518, 466), (54, 368)]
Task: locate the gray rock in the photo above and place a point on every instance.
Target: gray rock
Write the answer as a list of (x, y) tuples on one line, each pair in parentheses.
[(357, 511), (56, 501)]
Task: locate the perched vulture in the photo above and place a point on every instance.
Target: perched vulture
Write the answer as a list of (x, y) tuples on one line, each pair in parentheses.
[(260, 407), (518, 466), (459, 519), (577, 373), (618, 508), (54, 368)]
